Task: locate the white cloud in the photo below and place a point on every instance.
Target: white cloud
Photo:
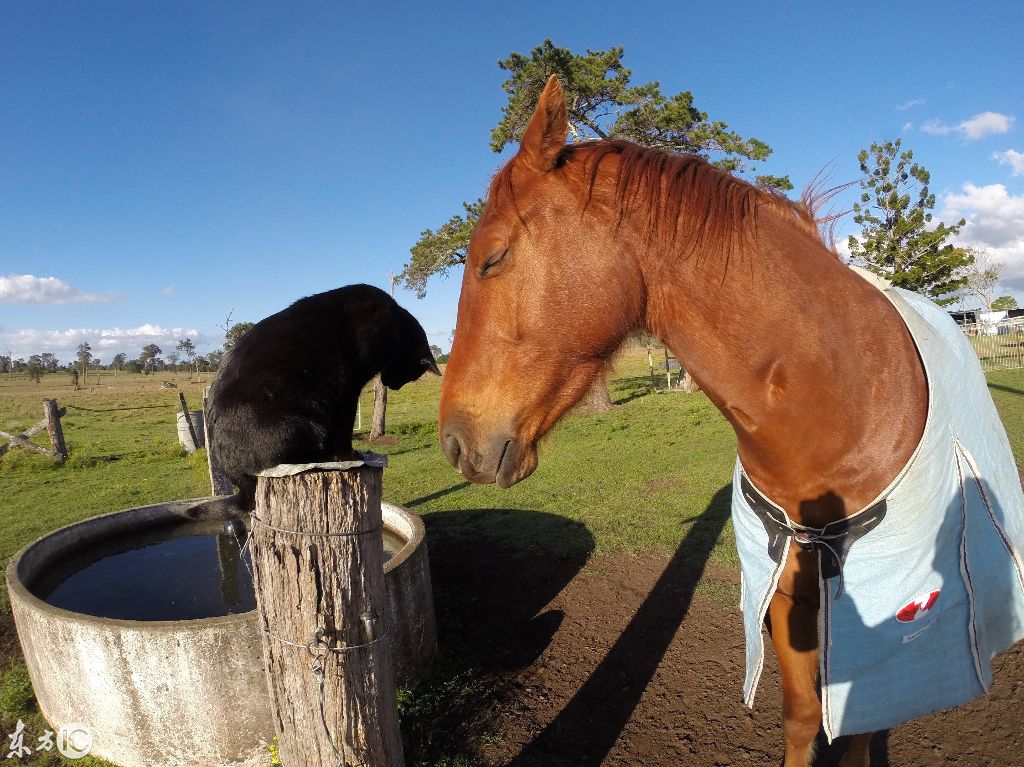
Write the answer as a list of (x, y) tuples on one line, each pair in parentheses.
[(979, 126), (1012, 158), (995, 222), (936, 128), (985, 124), (909, 103), (105, 343), (907, 127), (167, 291), (29, 289)]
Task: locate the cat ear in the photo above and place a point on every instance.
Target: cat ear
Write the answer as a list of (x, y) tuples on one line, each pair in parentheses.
[(429, 364)]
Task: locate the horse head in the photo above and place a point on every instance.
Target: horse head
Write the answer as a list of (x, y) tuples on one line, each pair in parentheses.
[(550, 290)]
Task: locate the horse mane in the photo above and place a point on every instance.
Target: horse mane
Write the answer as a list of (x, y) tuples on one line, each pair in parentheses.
[(687, 202)]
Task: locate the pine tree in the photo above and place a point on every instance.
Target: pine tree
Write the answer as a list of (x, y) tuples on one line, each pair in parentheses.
[(898, 240)]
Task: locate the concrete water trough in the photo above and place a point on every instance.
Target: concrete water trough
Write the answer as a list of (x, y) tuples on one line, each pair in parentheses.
[(140, 625)]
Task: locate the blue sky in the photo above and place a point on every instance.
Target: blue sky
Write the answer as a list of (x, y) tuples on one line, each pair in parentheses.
[(162, 164)]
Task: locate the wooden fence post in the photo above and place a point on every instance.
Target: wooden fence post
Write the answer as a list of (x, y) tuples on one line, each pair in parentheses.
[(188, 420), (53, 427), (317, 557), (380, 407)]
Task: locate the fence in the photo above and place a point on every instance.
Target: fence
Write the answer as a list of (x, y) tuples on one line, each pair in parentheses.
[(999, 345)]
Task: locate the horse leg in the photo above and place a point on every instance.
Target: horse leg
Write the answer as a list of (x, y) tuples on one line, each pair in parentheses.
[(794, 631), (857, 752)]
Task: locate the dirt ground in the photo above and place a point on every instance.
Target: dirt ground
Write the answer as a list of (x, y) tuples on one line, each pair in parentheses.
[(618, 661)]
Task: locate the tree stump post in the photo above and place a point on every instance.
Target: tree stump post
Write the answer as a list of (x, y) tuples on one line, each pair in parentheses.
[(54, 429), (317, 557)]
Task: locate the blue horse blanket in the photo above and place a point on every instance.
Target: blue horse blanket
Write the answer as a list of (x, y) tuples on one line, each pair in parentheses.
[(931, 587)]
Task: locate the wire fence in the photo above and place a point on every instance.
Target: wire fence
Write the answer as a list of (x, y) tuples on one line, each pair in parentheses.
[(999, 345)]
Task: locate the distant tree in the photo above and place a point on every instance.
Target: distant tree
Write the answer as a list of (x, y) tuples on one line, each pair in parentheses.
[(84, 357), (435, 350), (35, 368), (19, 365), (981, 277), (1004, 303), (134, 366), (5, 363), (73, 374), (214, 358), (50, 362), (118, 362), (149, 356), (898, 240), (236, 331), (187, 347), (172, 357)]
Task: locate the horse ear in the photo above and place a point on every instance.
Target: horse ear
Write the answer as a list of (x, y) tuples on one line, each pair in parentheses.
[(545, 134)]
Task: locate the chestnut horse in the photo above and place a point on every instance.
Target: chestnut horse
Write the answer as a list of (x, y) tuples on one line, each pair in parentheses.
[(582, 245)]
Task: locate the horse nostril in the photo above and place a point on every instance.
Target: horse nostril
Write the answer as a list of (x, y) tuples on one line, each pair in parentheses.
[(452, 449), (477, 459)]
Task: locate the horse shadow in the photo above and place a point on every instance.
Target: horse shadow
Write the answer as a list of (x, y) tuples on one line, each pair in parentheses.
[(615, 687), (493, 572)]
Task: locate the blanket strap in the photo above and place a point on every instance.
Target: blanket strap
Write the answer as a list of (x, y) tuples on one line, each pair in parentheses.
[(834, 539)]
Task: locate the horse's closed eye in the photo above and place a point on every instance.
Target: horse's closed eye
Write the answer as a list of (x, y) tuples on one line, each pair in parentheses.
[(492, 260)]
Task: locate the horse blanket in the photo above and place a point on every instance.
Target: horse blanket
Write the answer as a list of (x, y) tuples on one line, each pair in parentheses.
[(921, 588)]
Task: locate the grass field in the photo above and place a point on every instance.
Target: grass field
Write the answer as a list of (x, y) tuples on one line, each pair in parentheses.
[(638, 477)]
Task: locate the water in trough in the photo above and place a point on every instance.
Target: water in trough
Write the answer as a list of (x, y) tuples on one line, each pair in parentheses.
[(166, 573)]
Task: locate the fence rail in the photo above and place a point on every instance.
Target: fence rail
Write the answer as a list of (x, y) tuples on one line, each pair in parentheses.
[(999, 345)]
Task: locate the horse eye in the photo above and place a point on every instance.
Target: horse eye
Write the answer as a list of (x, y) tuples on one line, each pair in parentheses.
[(492, 260)]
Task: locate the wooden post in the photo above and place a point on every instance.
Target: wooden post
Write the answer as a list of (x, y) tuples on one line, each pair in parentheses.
[(31, 432), (219, 484), (317, 557), (188, 420), (53, 427), (380, 407)]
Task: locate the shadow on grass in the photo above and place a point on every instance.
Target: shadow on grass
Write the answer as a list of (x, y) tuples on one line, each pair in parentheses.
[(439, 494), (1001, 387), (623, 390), (493, 571)]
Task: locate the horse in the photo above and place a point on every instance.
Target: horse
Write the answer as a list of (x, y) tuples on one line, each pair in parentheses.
[(581, 245)]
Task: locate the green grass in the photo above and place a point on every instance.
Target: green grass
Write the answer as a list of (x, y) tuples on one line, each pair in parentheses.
[(639, 477)]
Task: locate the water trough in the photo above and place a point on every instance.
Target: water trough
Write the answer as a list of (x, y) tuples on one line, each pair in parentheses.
[(140, 625)]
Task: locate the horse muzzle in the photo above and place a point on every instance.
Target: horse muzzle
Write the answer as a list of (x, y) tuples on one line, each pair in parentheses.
[(498, 459)]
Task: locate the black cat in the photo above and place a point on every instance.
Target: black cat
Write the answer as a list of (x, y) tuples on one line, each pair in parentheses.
[(288, 390)]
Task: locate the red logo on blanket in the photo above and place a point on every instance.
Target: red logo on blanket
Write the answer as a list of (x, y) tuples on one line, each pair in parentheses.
[(918, 608)]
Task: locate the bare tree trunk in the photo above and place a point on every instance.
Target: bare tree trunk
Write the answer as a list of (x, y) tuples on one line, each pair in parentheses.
[(380, 406), (687, 384), (597, 399)]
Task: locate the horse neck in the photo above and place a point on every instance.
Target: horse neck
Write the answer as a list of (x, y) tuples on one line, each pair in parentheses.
[(812, 366)]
